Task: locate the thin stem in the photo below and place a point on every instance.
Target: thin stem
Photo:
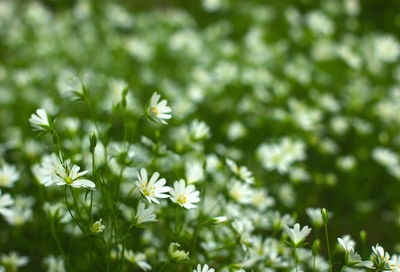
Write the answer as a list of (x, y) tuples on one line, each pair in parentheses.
[(313, 263), (70, 212), (327, 246), (53, 232), (295, 259)]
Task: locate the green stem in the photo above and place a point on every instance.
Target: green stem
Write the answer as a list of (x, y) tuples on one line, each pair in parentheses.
[(313, 263), (328, 247), (295, 259), (70, 212)]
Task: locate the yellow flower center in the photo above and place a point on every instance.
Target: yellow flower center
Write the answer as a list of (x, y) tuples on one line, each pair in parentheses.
[(182, 199), (148, 191), (154, 109), (68, 180)]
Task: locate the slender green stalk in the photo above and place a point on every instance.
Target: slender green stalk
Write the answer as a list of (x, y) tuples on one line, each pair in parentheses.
[(70, 212), (327, 246), (295, 259)]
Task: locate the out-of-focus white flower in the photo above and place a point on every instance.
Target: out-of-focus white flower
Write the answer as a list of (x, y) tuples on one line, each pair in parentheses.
[(144, 215), (183, 195), (13, 260), (153, 188), (46, 172), (54, 264), (39, 120), (8, 176), (282, 155), (204, 269), (194, 171), (158, 111), (241, 192), (315, 216), (199, 130), (387, 48), (296, 235), (5, 202), (319, 23), (137, 258), (242, 172)]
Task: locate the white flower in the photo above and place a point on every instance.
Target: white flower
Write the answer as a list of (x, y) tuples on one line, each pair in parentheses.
[(152, 189), (199, 130), (184, 195), (241, 171), (387, 48), (137, 258), (241, 192), (39, 120), (194, 171), (315, 216), (8, 176), (158, 111), (204, 269), (381, 257), (46, 172), (97, 226), (144, 215), (72, 177), (54, 264), (296, 235), (13, 260), (5, 202), (346, 243)]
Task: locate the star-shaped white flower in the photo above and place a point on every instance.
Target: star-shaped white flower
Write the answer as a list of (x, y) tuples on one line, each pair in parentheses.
[(72, 177), (158, 111), (204, 269), (184, 195), (296, 235), (153, 188)]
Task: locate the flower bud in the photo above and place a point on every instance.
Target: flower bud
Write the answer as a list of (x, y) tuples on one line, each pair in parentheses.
[(315, 247), (176, 254), (97, 227), (93, 142)]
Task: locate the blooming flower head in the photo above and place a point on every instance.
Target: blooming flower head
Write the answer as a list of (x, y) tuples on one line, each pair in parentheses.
[(158, 111), (144, 215), (204, 269), (346, 243), (40, 121), (380, 257), (72, 177), (296, 235), (153, 188), (184, 195), (8, 176)]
